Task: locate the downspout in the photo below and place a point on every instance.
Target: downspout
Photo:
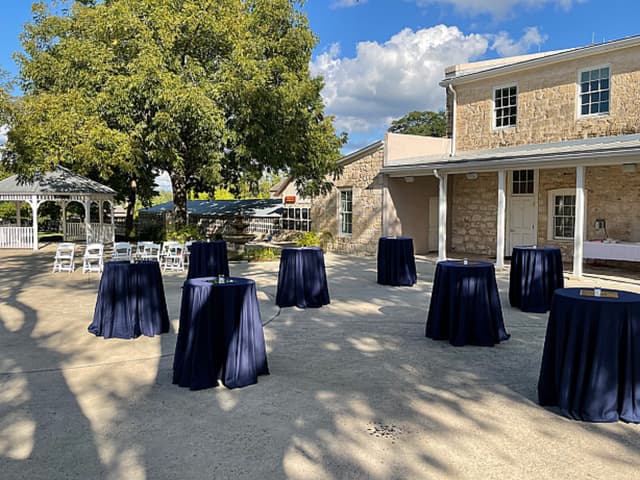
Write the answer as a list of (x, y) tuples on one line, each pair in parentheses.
[(454, 105)]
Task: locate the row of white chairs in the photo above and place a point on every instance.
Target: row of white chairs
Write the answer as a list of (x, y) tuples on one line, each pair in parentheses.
[(172, 256)]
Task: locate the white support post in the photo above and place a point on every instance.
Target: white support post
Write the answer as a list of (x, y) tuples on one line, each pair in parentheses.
[(442, 217), (34, 220), (385, 204), (64, 220), (113, 225), (501, 221), (578, 234), (87, 222), (18, 216)]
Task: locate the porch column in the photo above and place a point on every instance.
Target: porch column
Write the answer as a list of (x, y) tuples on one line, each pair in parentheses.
[(442, 216), (578, 233), (385, 205), (87, 221), (501, 223), (34, 219)]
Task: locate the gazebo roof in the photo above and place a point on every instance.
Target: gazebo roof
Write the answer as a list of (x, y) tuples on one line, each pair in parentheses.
[(60, 181)]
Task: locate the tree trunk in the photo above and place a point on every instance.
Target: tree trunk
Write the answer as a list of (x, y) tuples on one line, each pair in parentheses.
[(179, 186), (131, 206)]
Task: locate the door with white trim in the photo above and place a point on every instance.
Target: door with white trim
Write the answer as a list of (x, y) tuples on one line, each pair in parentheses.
[(522, 218)]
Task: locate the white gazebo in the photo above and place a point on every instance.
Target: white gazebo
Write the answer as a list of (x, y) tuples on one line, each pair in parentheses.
[(63, 187)]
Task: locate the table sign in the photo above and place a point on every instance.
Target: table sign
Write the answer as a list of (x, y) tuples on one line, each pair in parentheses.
[(603, 293)]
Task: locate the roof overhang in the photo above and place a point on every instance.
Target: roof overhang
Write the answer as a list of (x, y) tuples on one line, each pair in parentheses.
[(562, 56), (604, 157)]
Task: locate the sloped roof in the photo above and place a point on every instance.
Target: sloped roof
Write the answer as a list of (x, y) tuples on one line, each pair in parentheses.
[(267, 207), (59, 181)]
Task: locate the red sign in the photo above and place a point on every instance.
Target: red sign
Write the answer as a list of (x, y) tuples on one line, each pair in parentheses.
[(290, 199)]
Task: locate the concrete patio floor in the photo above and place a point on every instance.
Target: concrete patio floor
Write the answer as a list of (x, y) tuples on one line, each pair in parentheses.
[(355, 391)]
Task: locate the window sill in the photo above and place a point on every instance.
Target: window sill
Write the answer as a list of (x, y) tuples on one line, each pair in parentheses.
[(593, 116)]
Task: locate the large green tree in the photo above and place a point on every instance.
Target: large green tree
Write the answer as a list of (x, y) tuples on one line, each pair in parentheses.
[(215, 92), (427, 123)]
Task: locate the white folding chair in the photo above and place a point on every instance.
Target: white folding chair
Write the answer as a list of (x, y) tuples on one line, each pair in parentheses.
[(187, 252), (174, 257), (92, 260), (64, 260), (151, 252), (140, 247), (121, 251)]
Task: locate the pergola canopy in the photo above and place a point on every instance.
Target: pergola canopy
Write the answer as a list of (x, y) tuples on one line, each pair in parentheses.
[(61, 186)]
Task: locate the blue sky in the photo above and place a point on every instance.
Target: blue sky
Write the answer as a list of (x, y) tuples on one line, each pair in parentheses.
[(383, 58)]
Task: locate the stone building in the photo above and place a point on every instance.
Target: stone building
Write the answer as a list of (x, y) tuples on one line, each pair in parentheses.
[(544, 150)]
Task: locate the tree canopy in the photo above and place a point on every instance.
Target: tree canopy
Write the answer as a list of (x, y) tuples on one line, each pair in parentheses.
[(427, 123), (215, 92)]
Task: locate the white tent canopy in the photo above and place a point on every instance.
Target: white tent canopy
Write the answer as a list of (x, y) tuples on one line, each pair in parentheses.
[(63, 187)]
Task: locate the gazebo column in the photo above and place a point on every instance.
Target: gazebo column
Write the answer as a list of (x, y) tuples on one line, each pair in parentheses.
[(64, 220), (113, 224), (578, 234), (502, 207), (18, 217), (100, 221), (34, 219), (88, 235)]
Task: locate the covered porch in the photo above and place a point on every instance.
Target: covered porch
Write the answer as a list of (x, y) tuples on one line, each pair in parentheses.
[(574, 194), (62, 187)]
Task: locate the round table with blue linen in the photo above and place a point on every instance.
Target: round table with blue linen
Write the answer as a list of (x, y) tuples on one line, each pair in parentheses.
[(302, 279), (220, 336), (396, 262), (131, 301), (535, 274), (465, 306), (591, 359), (208, 259)]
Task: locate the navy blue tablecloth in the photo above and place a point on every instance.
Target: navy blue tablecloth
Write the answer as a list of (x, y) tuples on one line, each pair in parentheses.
[(302, 280), (465, 307), (208, 259), (130, 301), (591, 359), (220, 336), (396, 263), (535, 274)]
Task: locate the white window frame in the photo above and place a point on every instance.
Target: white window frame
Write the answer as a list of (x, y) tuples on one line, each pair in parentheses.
[(579, 114), (341, 212), (493, 105), (552, 194)]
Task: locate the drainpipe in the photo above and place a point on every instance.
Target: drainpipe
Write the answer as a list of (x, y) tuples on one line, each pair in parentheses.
[(454, 105), (442, 215)]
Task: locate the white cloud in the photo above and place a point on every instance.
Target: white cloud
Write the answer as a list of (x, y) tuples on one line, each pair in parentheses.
[(498, 8), (507, 47), (164, 182), (387, 80), (347, 3)]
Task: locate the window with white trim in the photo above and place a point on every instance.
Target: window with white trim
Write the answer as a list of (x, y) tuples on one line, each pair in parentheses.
[(562, 214), (505, 106), (594, 91), (345, 211)]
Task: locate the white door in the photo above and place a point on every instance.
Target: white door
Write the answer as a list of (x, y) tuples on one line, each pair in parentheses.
[(432, 235), (522, 210)]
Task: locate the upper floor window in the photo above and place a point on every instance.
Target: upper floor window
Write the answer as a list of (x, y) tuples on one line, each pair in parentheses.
[(346, 211), (594, 91), (505, 106)]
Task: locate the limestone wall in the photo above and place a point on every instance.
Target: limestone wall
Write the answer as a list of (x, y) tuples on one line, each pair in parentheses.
[(362, 175), (547, 99)]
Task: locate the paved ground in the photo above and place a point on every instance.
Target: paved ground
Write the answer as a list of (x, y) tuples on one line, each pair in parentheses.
[(356, 391)]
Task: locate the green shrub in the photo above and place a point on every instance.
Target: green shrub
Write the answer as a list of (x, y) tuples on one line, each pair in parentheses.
[(188, 232), (314, 239), (263, 254)]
